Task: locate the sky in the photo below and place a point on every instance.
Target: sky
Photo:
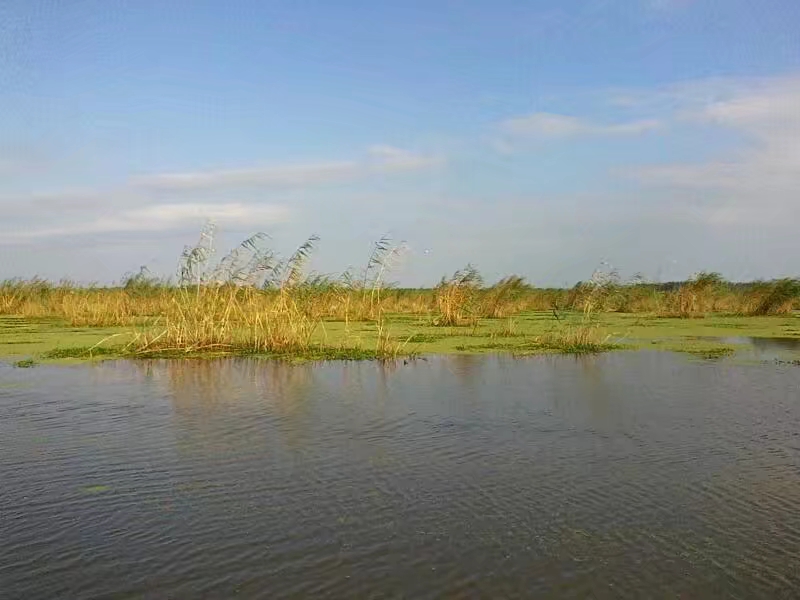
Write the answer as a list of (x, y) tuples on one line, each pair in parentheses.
[(540, 138)]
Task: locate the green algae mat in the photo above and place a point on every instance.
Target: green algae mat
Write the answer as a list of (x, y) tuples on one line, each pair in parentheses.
[(27, 342)]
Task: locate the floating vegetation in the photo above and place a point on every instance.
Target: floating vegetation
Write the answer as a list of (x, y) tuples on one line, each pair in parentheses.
[(711, 353), (95, 489)]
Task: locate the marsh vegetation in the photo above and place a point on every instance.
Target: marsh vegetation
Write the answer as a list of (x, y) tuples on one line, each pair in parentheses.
[(252, 301)]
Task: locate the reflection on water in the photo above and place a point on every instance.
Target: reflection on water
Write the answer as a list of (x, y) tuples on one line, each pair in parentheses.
[(633, 474)]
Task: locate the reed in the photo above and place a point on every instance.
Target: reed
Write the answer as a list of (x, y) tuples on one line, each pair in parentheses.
[(227, 319), (776, 297), (585, 336), (456, 298), (696, 297), (581, 338), (334, 299), (246, 303), (506, 297), (253, 301)]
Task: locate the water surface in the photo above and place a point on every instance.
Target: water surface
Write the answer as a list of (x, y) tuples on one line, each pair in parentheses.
[(769, 349), (623, 475)]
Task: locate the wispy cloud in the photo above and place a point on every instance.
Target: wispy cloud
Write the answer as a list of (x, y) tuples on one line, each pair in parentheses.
[(387, 159), (551, 125), (161, 217), (45, 204), (268, 176), (138, 204), (756, 180), (18, 160), (379, 159)]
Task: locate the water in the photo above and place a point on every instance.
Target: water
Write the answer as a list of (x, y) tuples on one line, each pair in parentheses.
[(623, 475), (766, 349)]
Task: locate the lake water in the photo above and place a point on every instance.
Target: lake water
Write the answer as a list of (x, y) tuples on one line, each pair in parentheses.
[(622, 475)]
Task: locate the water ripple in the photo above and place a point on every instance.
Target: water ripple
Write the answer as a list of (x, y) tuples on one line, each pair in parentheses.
[(617, 476)]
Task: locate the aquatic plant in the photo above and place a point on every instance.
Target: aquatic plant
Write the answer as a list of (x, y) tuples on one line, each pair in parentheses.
[(696, 297), (575, 338), (777, 297), (455, 298), (244, 303), (504, 297), (253, 301)]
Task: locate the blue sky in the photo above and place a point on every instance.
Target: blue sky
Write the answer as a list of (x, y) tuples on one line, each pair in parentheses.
[(537, 138)]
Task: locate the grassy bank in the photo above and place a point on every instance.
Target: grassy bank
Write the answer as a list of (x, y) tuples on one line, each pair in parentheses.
[(251, 302)]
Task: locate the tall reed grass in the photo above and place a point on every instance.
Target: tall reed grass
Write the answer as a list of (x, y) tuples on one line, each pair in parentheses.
[(456, 298), (252, 300)]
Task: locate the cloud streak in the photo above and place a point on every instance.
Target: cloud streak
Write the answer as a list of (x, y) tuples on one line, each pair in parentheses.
[(545, 125), (161, 217), (138, 205), (709, 205), (380, 159), (757, 182)]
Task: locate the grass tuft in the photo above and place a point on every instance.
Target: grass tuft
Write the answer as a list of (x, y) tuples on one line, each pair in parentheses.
[(710, 353), (575, 339), (84, 352), (456, 298)]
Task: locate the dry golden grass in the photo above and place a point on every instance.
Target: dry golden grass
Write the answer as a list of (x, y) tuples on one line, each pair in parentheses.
[(227, 319), (456, 298), (251, 301), (451, 303)]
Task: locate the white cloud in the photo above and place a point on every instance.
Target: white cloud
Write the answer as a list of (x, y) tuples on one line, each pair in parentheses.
[(18, 160), (631, 128), (161, 217), (268, 176), (550, 125), (756, 182), (9, 166), (388, 159), (139, 204), (380, 159)]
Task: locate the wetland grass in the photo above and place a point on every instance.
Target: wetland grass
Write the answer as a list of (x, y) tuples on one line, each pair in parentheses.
[(252, 302), (456, 298)]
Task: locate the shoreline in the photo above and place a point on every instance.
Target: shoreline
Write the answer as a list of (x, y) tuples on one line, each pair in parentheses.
[(27, 342)]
